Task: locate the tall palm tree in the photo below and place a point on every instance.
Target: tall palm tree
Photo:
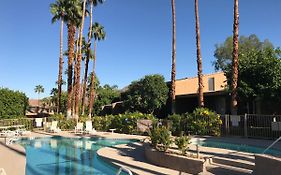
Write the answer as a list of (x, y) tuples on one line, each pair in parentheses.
[(99, 34), (199, 58), (72, 18), (39, 89), (173, 72), (78, 64), (88, 54), (58, 12), (235, 59)]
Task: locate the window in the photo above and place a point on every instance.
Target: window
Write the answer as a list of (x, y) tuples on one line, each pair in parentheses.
[(211, 84)]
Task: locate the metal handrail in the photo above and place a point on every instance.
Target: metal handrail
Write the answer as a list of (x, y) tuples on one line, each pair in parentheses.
[(125, 170)]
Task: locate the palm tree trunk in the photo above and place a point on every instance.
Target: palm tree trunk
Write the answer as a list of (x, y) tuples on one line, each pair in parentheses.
[(92, 88), (173, 73), (87, 59), (199, 58), (235, 60), (60, 69), (71, 41), (75, 74), (78, 66)]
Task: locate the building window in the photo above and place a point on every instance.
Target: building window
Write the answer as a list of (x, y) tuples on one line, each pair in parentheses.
[(211, 84)]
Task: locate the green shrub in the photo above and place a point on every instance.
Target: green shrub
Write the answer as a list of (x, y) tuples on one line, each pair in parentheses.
[(63, 123), (182, 142), (176, 124), (160, 138), (12, 103), (203, 122)]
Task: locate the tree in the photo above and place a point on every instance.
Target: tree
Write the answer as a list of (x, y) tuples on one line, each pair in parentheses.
[(199, 58), (105, 95), (146, 95), (259, 68), (78, 65), (173, 72), (58, 12), (89, 51), (235, 60), (72, 17), (98, 34), (39, 89)]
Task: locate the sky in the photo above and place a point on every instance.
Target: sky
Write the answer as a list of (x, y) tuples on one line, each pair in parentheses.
[(138, 40)]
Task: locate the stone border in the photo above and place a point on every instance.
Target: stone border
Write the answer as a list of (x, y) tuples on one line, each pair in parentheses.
[(176, 162), (265, 164)]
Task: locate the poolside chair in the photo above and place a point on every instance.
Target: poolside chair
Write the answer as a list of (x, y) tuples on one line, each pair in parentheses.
[(54, 127), (2, 171), (89, 128), (79, 128)]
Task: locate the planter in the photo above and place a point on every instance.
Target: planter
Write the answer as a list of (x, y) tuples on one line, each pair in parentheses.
[(175, 162), (268, 165)]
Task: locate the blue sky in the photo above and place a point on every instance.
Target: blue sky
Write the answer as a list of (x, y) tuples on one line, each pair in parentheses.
[(138, 38)]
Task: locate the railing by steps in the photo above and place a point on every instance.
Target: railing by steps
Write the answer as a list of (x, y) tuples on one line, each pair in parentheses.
[(123, 169)]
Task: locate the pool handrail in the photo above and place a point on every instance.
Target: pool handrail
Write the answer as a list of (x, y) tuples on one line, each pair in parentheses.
[(271, 145), (125, 170)]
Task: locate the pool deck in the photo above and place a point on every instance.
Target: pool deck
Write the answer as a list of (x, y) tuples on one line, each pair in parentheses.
[(132, 155)]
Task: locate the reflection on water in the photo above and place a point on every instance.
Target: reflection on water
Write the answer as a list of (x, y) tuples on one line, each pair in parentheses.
[(61, 156)]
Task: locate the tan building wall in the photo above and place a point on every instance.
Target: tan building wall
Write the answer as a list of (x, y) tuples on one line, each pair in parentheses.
[(190, 85)]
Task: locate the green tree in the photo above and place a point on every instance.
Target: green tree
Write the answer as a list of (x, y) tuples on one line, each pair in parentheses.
[(89, 51), (146, 95), (58, 12), (199, 58), (39, 89), (259, 68), (12, 103), (99, 34), (105, 95)]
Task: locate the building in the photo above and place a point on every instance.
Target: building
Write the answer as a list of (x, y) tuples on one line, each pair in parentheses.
[(215, 95), (37, 108)]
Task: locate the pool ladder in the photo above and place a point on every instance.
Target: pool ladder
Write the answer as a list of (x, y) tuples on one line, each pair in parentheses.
[(121, 169)]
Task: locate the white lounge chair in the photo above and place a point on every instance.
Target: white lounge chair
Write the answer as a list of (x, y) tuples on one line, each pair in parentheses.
[(2, 171), (79, 128), (89, 128), (11, 137), (54, 127)]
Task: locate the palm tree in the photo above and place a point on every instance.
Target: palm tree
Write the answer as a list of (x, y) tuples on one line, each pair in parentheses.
[(58, 12), (199, 58), (99, 34), (72, 17), (88, 53), (39, 89), (78, 65), (173, 73), (235, 59)]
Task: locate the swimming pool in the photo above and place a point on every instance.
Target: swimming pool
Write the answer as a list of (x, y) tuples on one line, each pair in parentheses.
[(236, 147), (60, 155)]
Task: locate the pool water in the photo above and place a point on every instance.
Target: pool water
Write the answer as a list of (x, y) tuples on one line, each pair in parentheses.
[(237, 147), (59, 156)]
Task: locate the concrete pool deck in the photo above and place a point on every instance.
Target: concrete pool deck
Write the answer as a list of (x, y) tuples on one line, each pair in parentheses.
[(12, 157)]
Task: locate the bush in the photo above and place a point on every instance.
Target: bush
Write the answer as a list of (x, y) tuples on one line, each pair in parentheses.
[(160, 138), (63, 123), (203, 122), (176, 120), (182, 142), (12, 103), (123, 123)]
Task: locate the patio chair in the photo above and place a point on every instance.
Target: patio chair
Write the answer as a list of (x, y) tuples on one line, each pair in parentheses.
[(2, 171), (54, 127), (89, 128), (79, 128)]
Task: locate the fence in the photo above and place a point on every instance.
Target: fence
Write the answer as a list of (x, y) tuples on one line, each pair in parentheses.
[(26, 122), (252, 125)]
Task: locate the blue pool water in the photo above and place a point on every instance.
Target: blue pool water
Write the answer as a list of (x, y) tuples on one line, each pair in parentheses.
[(59, 156), (237, 147)]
